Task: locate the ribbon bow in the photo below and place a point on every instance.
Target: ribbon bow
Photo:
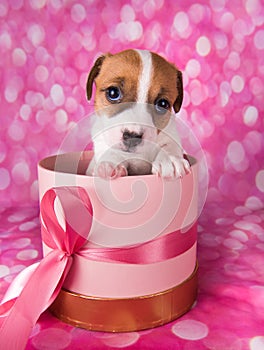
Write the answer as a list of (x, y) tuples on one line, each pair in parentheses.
[(43, 281)]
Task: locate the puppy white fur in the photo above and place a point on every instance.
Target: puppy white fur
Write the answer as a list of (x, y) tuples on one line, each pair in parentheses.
[(134, 131)]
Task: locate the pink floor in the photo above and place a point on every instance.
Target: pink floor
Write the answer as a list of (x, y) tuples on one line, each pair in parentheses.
[(46, 51)]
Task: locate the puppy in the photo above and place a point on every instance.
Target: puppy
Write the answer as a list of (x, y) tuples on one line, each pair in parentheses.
[(134, 131)]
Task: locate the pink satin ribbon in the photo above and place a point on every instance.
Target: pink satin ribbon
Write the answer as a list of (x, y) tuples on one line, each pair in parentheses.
[(35, 288), (46, 280), (157, 250)]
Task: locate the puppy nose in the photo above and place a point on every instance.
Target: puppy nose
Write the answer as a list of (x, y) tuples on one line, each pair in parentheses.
[(131, 138)]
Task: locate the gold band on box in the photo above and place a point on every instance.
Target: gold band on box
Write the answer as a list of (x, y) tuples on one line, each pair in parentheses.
[(127, 314)]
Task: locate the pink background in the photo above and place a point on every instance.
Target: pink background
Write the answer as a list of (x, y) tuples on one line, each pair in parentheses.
[(46, 51)]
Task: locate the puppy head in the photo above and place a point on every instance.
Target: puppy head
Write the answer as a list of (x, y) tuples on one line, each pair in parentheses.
[(132, 78), (118, 78)]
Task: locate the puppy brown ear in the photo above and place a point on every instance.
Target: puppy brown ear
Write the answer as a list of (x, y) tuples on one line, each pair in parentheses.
[(92, 75), (178, 102)]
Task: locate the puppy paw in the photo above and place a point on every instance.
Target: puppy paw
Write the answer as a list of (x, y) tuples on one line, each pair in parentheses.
[(171, 167), (108, 170), (182, 166)]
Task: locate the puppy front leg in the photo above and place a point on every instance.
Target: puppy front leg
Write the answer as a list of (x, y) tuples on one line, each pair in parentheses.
[(108, 166), (170, 166), (109, 170), (170, 163)]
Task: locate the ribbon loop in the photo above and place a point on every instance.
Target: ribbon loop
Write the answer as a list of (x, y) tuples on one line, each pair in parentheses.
[(75, 210)]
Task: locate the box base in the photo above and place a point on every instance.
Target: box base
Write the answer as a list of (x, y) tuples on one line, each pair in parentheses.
[(127, 314)]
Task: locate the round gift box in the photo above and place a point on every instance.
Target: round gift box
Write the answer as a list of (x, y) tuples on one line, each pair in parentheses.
[(129, 211)]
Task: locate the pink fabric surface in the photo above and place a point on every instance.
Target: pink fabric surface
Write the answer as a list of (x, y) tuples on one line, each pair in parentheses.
[(46, 51)]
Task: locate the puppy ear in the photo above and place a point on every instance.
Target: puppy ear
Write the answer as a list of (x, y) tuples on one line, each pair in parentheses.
[(177, 104), (92, 75)]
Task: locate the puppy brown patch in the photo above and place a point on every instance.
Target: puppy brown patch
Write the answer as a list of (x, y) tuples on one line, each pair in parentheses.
[(121, 70), (166, 82)]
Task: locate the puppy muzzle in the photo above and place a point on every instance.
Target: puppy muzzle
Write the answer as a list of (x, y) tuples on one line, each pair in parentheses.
[(131, 139)]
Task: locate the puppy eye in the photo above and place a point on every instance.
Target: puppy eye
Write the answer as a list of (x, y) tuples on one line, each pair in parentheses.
[(162, 106), (113, 94)]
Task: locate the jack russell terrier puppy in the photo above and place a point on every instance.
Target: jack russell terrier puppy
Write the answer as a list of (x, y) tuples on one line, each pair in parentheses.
[(134, 131)]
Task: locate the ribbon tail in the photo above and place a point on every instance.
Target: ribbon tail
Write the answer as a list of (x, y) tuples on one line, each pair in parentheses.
[(15, 289), (15, 331), (37, 295)]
